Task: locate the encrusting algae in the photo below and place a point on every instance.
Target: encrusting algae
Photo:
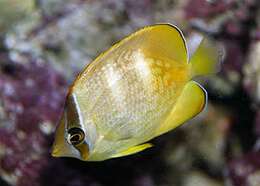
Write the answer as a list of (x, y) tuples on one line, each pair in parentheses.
[(138, 89)]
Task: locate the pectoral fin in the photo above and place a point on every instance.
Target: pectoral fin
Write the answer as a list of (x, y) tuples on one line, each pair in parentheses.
[(190, 103), (133, 150)]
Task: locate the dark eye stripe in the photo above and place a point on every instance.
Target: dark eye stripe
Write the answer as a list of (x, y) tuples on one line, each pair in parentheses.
[(72, 112)]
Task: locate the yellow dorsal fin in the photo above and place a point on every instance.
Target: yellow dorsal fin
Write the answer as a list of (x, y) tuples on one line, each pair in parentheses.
[(133, 150), (205, 55), (166, 40), (190, 103), (160, 40)]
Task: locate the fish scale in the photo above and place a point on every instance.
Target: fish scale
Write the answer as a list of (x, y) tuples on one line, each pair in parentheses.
[(130, 107)]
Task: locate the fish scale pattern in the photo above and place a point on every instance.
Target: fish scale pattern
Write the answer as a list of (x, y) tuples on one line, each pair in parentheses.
[(129, 94)]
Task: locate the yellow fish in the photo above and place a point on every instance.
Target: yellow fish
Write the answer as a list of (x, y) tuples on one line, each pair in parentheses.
[(138, 89)]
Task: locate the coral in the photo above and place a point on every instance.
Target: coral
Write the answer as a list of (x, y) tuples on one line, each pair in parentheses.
[(11, 12), (30, 108), (252, 72), (257, 124), (243, 170)]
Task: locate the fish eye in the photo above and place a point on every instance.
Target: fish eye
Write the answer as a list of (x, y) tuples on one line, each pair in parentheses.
[(76, 136)]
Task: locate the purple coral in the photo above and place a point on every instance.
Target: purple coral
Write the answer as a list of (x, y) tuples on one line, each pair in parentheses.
[(257, 124), (241, 169), (206, 9), (32, 96)]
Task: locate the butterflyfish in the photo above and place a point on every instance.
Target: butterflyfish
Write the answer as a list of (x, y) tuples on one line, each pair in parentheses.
[(138, 89)]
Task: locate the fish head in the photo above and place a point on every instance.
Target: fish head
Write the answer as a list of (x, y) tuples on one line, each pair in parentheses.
[(70, 138)]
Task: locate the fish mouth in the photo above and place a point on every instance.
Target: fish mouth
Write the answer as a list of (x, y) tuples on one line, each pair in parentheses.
[(56, 153), (60, 147), (81, 152)]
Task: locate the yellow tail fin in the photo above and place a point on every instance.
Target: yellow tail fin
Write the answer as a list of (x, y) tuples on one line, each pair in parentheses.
[(206, 57)]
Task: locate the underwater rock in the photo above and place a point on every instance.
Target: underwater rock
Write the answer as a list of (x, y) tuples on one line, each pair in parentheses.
[(254, 179), (30, 108), (12, 12), (244, 171), (257, 124), (206, 8), (207, 138), (252, 72), (234, 57), (200, 179)]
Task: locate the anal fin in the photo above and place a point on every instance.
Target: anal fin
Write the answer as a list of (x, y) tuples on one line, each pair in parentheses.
[(133, 150), (191, 102)]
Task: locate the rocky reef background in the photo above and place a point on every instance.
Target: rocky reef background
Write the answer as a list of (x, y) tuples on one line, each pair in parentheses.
[(45, 43)]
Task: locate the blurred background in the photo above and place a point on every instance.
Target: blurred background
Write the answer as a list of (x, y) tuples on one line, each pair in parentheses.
[(45, 43)]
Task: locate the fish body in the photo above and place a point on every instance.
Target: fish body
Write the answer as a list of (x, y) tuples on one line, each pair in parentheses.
[(137, 90)]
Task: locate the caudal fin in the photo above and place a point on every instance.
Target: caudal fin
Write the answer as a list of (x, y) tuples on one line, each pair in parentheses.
[(205, 55)]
